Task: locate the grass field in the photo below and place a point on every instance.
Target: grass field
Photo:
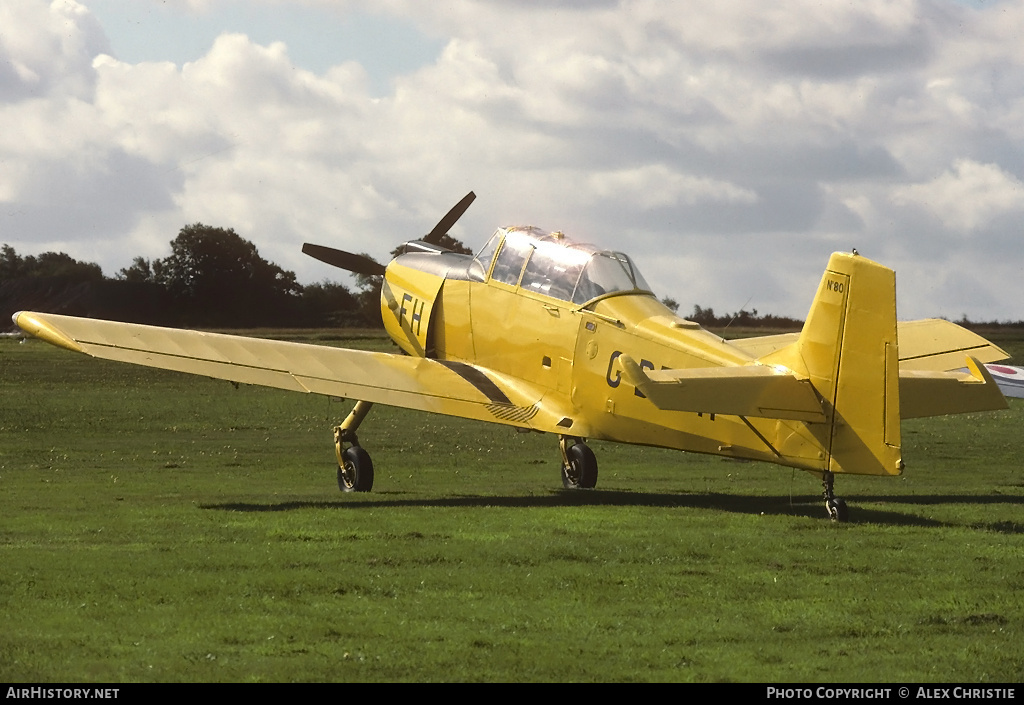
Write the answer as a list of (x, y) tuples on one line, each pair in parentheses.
[(158, 527)]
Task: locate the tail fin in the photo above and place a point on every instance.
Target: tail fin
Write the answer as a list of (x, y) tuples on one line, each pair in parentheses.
[(848, 350)]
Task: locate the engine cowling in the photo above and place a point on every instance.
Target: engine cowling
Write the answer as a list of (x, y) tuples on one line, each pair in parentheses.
[(407, 300)]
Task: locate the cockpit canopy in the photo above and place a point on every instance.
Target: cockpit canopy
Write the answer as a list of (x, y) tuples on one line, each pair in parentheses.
[(553, 265)]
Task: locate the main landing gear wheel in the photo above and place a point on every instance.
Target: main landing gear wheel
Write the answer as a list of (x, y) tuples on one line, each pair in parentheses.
[(355, 469), (355, 474), (579, 465), (835, 506)]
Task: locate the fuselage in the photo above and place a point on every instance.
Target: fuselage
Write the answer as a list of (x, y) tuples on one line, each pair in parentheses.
[(556, 316)]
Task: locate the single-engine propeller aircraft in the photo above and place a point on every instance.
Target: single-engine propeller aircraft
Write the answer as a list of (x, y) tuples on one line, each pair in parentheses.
[(543, 333)]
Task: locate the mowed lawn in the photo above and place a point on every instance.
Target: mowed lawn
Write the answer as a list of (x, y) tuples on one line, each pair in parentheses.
[(160, 527)]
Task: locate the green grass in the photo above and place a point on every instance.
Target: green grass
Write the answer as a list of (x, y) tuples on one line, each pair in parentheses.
[(159, 527)]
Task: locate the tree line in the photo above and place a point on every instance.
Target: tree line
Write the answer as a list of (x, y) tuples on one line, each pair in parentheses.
[(212, 278), (215, 278), (742, 319)]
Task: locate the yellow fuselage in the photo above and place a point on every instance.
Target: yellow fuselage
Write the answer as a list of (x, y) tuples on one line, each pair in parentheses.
[(571, 354)]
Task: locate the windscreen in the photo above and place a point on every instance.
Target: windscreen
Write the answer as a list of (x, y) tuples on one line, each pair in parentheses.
[(607, 273), (556, 266)]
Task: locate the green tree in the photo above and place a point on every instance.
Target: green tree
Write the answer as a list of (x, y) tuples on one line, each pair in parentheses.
[(367, 294), (219, 279), (330, 303), (142, 270), (10, 263), (59, 264), (48, 264), (454, 244), (703, 316)]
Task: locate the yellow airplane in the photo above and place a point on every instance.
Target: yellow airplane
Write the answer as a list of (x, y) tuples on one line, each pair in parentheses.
[(543, 333)]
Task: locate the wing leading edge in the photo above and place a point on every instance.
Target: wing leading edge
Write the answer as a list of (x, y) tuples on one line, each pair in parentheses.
[(931, 344), (443, 387)]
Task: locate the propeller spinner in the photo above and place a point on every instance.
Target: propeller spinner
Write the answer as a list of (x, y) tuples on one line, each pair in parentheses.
[(361, 264)]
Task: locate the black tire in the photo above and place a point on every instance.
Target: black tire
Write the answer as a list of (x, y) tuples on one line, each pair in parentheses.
[(837, 510), (581, 472), (356, 475)]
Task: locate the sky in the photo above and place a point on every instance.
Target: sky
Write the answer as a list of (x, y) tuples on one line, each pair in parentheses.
[(728, 147)]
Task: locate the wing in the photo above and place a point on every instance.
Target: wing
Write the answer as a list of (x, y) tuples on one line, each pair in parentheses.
[(940, 346), (928, 344), (759, 346), (443, 387)]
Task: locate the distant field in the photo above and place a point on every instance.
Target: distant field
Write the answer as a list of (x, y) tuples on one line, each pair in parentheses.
[(159, 527)]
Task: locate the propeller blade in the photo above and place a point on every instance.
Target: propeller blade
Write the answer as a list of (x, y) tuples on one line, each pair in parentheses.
[(360, 264), (450, 218)]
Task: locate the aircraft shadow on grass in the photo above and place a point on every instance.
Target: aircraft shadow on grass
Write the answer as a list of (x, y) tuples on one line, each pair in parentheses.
[(779, 505)]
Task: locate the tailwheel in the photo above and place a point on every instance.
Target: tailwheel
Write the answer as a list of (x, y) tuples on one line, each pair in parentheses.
[(579, 464), (837, 509), (835, 506), (355, 474)]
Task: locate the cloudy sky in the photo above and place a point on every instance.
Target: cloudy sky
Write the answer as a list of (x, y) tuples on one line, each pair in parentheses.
[(729, 146)]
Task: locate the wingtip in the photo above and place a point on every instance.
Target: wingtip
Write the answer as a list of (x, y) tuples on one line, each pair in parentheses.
[(35, 325), (982, 375), (633, 373)]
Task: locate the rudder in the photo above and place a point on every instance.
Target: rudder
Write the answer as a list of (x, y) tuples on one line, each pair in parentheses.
[(849, 350)]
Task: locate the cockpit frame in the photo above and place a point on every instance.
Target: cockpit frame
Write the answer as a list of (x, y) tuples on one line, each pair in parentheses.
[(532, 260)]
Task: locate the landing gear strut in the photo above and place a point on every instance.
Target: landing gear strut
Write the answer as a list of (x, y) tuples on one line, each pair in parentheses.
[(355, 469), (835, 506), (579, 465)]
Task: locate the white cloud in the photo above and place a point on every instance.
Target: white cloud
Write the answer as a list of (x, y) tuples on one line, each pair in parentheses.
[(655, 186), (967, 196), (47, 48), (720, 139)]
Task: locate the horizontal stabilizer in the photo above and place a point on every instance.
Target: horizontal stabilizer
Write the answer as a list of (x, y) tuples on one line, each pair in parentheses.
[(930, 393), (759, 391)]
